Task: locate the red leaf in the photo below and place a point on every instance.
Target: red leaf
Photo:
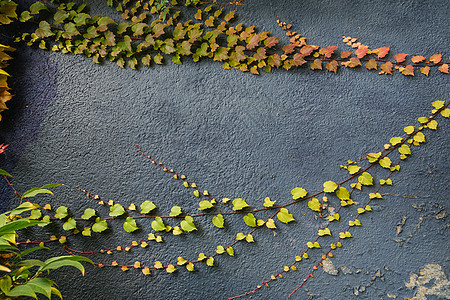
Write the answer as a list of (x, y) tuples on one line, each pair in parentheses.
[(306, 50), (288, 48), (271, 41), (345, 54), (361, 51), (253, 41), (260, 53), (444, 68), (435, 59), (417, 59), (381, 52), (386, 68), (332, 66), (298, 60), (425, 70), (274, 60), (401, 57), (327, 52), (3, 148)]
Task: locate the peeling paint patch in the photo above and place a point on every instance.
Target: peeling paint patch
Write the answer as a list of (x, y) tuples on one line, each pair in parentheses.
[(429, 273), (329, 267)]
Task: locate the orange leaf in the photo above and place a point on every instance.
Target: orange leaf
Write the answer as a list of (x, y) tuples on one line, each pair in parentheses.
[(408, 70), (353, 62), (253, 42), (417, 59), (345, 54), (401, 57), (381, 52), (298, 60), (425, 70), (306, 50), (316, 65), (288, 48), (386, 68), (371, 64), (327, 51), (444, 68), (332, 66), (361, 51), (435, 59)]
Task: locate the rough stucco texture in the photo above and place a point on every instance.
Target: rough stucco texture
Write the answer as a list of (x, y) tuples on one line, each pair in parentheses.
[(239, 135)]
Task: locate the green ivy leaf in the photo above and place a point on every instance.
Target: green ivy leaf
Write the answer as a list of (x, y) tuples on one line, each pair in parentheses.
[(250, 220), (218, 221), (298, 193), (36, 7), (365, 179), (230, 251), (240, 236), (130, 225), (220, 249), (284, 216), (116, 210), (175, 211), (61, 212), (342, 193), (395, 140), (210, 261), (158, 224), (205, 204), (88, 213), (100, 225), (385, 162), (268, 202), (239, 204), (329, 186), (353, 169), (315, 205), (404, 149), (70, 224), (188, 224), (4, 173), (147, 206)]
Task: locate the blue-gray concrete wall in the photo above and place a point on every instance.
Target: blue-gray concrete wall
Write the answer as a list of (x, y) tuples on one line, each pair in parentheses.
[(239, 135)]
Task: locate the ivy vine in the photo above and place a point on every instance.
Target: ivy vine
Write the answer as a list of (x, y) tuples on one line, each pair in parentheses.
[(152, 32)]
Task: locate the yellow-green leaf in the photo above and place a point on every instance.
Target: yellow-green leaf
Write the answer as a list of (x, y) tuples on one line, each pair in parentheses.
[(284, 216), (329, 186), (298, 193)]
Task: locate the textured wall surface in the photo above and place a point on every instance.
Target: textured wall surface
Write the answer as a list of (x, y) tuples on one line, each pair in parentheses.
[(240, 135)]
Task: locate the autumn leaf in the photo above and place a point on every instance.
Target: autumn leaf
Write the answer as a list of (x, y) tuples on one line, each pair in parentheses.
[(381, 52), (444, 68), (253, 41), (435, 59), (386, 68), (401, 57), (332, 66), (327, 52), (345, 54), (298, 60), (288, 48), (371, 64), (316, 65), (425, 70), (306, 50), (361, 51), (417, 59), (271, 41), (408, 70), (353, 62)]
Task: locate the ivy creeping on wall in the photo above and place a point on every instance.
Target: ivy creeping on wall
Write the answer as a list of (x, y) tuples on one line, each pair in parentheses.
[(149, 33)]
